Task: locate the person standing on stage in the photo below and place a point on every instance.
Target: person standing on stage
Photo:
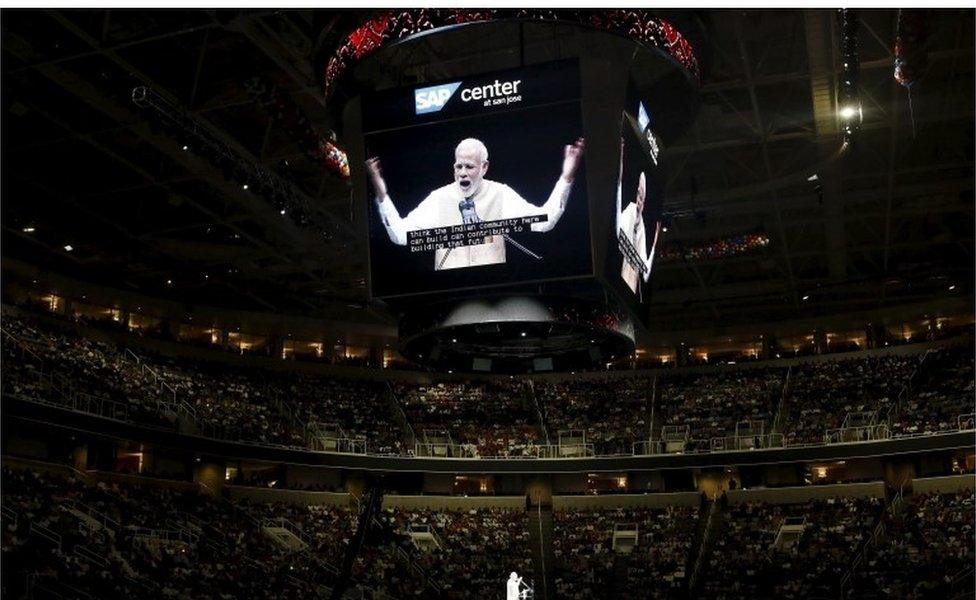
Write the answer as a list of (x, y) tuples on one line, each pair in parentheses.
[(632, 235), (489, 200)]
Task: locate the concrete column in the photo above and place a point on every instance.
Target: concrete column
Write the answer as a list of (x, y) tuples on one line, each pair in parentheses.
[(539, 490), (210, 473), (819, 341), (681, 355), (898, 472), (79, 457), (712, 482)]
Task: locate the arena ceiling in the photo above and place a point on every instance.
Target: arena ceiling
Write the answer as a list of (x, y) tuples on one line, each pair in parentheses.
[(888, 222)]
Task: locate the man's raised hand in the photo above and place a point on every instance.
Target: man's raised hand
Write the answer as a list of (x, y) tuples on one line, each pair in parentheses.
[(375, 173), (572, 154)]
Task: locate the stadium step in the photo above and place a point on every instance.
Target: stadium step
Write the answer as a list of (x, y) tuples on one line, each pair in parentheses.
[(285, 533), (712, 517), (543, 556)]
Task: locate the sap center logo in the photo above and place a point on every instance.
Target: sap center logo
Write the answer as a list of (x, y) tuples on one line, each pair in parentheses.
[(432, 99)]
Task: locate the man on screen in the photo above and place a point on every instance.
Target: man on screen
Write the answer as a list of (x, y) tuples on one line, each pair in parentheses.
[(632, 236), (483, 199)]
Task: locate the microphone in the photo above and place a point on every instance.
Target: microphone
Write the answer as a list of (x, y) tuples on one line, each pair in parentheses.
[(468, 216), (468, 212)]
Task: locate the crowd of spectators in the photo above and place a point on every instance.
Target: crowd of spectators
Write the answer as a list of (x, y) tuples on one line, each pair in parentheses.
[(926, 550), (475, 549), (139, 538), (613, 413), (712, 405), (487, 419), (358, 407), (496, 418), (154, 541), (228, 402), (825, 392), (51, 363), (588, 566), (746, 562), (943, 396), (47, 542)]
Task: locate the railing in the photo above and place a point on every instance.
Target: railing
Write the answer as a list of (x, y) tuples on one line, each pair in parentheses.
[(93, 557), (337, 444), (417, 569), (625, 527), (648, 448), (567, 450), (906, 390), (650, 419), (146, 588), (45, 533), (287, 525), (8, 514), (966, 422), (427, 529), (187, 522), (105, 407), (24, 349), (444, 450), (675, 433), (84, 402), (747, 442), (99, 517), (398, 409), (706, 539), (177, 405), (47, 583), (162, 535), (873, 540), (783, 396), (963, 581), (862, 418), (673, 440), (866, 433), (540, 414), (530, 452)]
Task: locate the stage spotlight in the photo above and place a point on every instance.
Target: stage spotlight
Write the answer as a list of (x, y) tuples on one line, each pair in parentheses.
[(848, 112), (68, 248)]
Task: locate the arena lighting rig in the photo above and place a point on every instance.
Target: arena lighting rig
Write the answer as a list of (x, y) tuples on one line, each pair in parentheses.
[(510, 167)]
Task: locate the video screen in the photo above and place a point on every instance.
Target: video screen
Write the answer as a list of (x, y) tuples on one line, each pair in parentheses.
[(477, 183), (636, 214)]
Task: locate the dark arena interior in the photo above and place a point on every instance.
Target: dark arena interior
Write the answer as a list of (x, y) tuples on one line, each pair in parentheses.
[(487, 303)]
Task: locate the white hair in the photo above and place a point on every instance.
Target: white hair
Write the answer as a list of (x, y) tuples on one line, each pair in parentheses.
[(477, 145)]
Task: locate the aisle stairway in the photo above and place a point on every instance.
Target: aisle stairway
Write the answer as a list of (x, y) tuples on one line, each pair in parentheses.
[(543, 557), (712, 514)]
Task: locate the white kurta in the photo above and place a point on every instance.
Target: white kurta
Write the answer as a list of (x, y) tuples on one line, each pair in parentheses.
[(492, 202), (631, 223), (512, 589)]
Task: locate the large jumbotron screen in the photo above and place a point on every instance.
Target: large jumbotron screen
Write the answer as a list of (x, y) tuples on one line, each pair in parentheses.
[(635, 212), (477, 182)]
